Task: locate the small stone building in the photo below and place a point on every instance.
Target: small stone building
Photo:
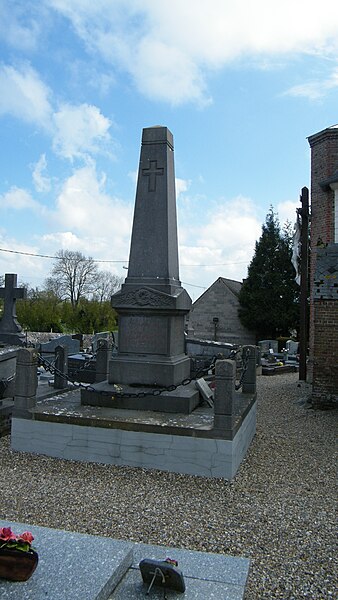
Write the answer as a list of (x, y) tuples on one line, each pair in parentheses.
[(323, 334), (214, 316)]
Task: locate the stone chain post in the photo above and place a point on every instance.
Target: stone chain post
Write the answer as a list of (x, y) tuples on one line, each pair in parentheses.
[(225, 376), (26, 381), (103, 353), (249, 380), (61, 363)]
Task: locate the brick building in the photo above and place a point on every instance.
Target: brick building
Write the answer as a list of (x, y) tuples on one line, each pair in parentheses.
[(214, 315), (323, 333)]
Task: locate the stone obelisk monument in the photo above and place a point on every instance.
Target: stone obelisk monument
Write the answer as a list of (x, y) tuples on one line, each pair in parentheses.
[(152, 304)]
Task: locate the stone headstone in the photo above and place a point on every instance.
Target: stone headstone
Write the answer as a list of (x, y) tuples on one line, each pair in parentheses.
[(267, 345), (292, 347), (101, 335), (78, 336), (47, 349), (7, 371), (10, 329)]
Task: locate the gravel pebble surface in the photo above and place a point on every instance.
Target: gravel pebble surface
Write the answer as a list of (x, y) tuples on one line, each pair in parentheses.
[(278, 511)]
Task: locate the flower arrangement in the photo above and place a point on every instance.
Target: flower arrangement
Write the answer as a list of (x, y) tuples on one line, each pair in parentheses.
[(9, 540)]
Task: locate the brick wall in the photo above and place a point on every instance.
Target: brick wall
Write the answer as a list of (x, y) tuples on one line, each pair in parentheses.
[(325, 364), (323, 340)]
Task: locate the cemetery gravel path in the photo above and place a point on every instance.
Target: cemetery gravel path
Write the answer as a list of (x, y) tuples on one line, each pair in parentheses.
[(278, 511)]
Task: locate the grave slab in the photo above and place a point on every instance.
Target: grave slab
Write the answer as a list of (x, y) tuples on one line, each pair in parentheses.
[(71, 565), (86, 567), (206, 392), (182, 400), (206, 575)]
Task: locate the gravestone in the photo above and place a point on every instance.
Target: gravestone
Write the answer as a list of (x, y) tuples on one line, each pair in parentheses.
[(100, 335), (47, 349), (292, 347), (10, 329), (267, 345), (7, 371), (152, 304)]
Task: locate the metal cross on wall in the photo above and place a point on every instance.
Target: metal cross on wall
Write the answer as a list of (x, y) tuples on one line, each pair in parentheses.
[(10, 293), (152, 172)]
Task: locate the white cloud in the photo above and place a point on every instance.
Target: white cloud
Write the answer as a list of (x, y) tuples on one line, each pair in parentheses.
[(182, 185), (41, 182), (24, 95), (28, 268), (316, 89), (84, 208), (79, 130), (170, 47), (65, 240), (17, 28), (163, 71), (287, 211), (76, 130), (224, 244), (85, 218), (19, 199), (232, 224)]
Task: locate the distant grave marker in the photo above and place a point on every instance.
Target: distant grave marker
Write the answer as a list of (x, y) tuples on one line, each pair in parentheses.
[(10, 329)]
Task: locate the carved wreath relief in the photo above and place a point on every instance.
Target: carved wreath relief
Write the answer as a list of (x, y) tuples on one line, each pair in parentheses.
[(144, 297)]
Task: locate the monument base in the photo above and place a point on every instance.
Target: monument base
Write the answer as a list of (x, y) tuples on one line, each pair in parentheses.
[(182, 400), (149, 370)]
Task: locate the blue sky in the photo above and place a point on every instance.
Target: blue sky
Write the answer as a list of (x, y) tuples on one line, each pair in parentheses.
[(241, 85)]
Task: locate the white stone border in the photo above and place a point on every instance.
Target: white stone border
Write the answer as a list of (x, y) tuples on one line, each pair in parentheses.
[(175, 453)]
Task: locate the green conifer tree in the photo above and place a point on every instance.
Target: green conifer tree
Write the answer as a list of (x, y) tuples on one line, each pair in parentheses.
[(269, 302)]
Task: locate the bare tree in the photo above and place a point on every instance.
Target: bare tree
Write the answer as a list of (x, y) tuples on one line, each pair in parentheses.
[(106, 284), (73, 276)]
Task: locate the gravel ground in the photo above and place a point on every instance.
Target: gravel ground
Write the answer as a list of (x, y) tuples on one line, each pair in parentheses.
[(278, 511)]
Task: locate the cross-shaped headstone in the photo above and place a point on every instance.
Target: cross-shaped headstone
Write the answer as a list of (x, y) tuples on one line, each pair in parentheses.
[(10, 293), (152, 172)]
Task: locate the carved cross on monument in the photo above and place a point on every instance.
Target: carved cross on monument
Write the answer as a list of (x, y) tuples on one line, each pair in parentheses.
[(10, 293), (152, 172)]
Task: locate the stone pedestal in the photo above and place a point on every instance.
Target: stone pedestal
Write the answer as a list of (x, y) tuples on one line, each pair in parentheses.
[(151, 337)]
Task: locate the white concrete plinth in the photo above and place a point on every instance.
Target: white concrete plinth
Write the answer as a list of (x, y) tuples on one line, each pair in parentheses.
[(180, 454)]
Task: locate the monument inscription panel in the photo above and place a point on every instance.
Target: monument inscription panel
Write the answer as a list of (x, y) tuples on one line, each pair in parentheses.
[(146, 335)]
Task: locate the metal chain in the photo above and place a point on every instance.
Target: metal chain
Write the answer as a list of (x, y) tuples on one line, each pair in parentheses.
[(48, 366), (155, 392), (4, 383)]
